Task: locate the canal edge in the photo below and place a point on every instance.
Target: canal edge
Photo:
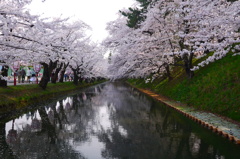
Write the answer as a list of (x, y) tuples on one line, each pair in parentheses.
[(203, 123)]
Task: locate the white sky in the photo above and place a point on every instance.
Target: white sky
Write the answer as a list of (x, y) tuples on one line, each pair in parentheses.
[(95, 13)]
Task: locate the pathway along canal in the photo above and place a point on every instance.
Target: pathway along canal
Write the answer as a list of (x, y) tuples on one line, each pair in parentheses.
[(110, 120)]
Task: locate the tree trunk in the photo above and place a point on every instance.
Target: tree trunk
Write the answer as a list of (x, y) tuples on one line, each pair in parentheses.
[(81, 80), (188, 65), (48, 68), (189, 73), (3, 83), (45, 78), (62, 72), (75, 76), (55, 77), (47, 126), (62, 75), (168, 73), (6, 149), (186, 57)]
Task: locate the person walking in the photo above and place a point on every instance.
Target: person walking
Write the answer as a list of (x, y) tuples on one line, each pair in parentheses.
[(23, 75), (33, 76), (33, 73), (65, 76), (19, 74), (28, 73)]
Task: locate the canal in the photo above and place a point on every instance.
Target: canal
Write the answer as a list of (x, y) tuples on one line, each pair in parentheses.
[(108, 121)]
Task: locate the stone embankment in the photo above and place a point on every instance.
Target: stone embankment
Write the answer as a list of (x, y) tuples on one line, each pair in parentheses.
[(219, 125)]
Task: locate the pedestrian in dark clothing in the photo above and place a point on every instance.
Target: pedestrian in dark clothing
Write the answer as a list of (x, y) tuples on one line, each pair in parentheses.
[(19, 74), (29, 74), (33, 73), (33, 78), (23, 75), (65, 77)]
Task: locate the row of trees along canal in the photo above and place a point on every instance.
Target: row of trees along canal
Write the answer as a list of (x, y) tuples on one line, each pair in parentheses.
[(157, 35), (148, 39), (55, 43)]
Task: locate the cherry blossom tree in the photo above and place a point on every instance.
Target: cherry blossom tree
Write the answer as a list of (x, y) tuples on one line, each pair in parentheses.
[(63, 42), (218, 30), (88, 62), (173, 33), (14, 23), (139, 51), (117, 42), (53, 42)]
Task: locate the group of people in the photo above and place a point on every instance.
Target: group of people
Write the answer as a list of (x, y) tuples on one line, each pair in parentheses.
[(68, 76), (21, 74)]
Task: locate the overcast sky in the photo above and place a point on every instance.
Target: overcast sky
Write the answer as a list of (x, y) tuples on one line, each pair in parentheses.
[(95, 13)]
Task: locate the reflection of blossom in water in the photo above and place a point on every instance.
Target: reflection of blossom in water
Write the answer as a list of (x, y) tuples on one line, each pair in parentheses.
[(100, 123), (58, 107), (78, 99), (115, 123), (104, 121), (35, 125), (12, 135), (68, 103), (68, 106), (103, 115), (50, 114), (96, 91), (23, 123), (195, 143), (220, 157), (84, 96), (122, 131), (97, 100), (210, 149)]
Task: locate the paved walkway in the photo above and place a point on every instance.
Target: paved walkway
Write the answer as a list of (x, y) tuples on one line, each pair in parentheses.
[(11, 83), (227, 128), (25, 83)]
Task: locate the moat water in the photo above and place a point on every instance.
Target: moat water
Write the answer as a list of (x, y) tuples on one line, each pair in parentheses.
[(108, 121)]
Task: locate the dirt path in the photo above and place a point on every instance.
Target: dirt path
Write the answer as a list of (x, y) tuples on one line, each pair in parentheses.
[(222, 126)]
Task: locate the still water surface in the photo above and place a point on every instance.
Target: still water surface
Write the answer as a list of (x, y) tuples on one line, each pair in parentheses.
[(110, 121)]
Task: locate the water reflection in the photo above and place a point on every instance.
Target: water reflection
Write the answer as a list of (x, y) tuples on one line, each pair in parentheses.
[(109, 121)]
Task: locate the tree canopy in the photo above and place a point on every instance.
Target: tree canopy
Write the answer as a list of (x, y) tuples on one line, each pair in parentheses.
[(51, 42), (172, 33)]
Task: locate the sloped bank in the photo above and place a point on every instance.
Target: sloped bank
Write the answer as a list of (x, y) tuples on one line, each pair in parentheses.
[(215, 88), (219, 125), (14, 98)]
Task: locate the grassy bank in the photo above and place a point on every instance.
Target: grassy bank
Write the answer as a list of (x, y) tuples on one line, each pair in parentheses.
[(215, 88), (15, 97)]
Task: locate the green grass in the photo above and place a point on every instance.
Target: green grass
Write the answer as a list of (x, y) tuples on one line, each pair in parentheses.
[(15, 97), (214, 88)]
